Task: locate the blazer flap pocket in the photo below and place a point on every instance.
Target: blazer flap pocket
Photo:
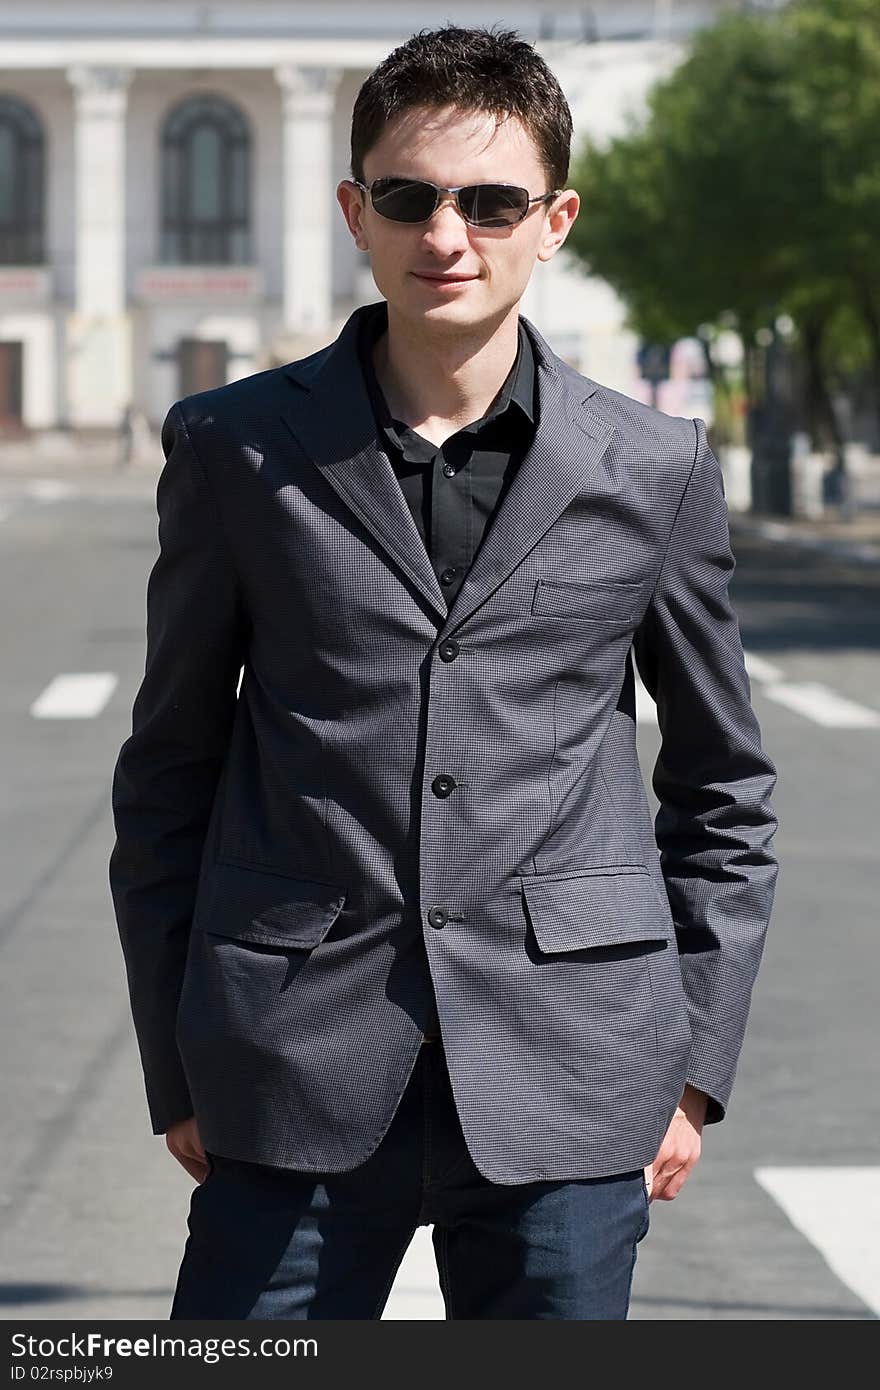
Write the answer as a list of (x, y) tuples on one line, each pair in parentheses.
[(255, 904), (604, 906), (599, 600)]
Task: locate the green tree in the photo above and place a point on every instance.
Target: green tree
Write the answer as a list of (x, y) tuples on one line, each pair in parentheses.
[(835, 96), (752, 189)]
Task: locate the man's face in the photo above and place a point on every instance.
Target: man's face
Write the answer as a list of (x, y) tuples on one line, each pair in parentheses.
[(493, 265)]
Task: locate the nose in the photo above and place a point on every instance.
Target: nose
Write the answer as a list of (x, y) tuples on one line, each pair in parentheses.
[(447, 231)]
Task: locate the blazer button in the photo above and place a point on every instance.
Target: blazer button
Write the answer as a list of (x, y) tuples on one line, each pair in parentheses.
[(438, 916), (443, 785), (448, 649)]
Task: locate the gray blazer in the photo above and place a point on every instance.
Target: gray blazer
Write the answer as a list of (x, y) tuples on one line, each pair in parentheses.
[(402, 798)]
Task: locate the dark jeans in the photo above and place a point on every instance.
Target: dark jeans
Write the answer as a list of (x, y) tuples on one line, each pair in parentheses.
[(274, 1243)]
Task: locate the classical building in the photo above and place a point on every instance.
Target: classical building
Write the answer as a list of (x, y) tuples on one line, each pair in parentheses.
[(167, 172)]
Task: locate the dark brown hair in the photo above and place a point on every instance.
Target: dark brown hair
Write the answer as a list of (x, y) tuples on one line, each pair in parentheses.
[(475, 70)]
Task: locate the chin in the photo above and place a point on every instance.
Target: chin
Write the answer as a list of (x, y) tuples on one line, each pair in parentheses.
[(456, 312), (453, 318)]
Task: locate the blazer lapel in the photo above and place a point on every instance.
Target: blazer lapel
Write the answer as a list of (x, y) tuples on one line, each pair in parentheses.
[(568, 444), (334, 425), (331, 418)]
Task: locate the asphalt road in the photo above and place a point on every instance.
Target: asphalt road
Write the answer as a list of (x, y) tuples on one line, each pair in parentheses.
[(92, 1207)]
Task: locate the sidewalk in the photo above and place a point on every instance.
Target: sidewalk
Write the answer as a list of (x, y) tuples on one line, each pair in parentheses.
[(51, 479), (857, 540)]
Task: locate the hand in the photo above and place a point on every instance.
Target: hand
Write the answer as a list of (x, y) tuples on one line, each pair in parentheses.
[(681, 1146), (185, 1144)]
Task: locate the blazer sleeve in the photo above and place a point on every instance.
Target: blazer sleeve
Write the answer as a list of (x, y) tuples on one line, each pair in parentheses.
[(712, 779), (167, 771)]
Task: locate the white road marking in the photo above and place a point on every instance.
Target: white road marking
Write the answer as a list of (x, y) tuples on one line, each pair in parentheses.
[(758, 668), (5, 511), (79, 695), (868, 552), (822, 705), (838, 1210), (773, 531), (809, 698), (761, 670), (843, 549), (416, 1290), (50, 489), (646, 710)]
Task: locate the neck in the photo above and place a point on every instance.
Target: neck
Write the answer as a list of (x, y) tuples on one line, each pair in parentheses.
[(439, 383)]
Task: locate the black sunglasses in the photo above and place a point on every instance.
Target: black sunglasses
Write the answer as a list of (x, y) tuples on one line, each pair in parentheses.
[(481, 204)]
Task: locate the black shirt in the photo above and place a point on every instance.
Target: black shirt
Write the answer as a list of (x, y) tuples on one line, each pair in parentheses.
[(454, 490)]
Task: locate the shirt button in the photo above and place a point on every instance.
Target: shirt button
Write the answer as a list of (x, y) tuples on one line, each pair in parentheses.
[(443, 785), (449, 470), (447, 576)]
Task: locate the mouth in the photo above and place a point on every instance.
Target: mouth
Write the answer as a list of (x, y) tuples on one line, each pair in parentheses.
[(444, 279)]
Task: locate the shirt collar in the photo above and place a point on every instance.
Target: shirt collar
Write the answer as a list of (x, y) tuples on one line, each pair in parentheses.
[(518, 388)]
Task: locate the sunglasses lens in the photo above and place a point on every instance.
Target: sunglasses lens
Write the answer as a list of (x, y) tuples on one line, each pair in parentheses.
[(494, 204), (403, 200)]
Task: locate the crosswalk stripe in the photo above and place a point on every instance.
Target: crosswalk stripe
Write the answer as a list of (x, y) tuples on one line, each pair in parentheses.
[(76, 695), (838, 1210), (415, 1293), (822, 705), (646, 710), (50, 489), (85, 695), (811, 699), (760, 669)]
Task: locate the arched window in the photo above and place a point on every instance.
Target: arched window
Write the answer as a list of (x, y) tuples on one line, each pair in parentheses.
[(205, 184), (21, 184)]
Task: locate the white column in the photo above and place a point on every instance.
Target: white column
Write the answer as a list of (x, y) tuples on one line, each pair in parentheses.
[(308, 96), (99, 328)]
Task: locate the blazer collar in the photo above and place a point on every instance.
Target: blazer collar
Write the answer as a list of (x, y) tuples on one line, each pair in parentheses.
[(330, 415)]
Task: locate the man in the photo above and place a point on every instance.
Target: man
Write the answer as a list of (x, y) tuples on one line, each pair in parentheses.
[(400, 945)]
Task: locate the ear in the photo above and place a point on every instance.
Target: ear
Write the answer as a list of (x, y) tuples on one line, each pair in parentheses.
[(351, 199), (558, 221)]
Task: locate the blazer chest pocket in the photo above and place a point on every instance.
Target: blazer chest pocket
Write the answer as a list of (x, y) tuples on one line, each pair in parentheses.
[(597, 600), (255, 904), (614, 905)]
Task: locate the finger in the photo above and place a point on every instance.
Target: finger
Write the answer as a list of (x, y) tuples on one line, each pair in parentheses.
[(197, 1156), (202, 1166), (649, 1178), (674, 1186), (194, 1151), (662, 1181), (670, 1161), (675, 1180), (196, 1167)]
